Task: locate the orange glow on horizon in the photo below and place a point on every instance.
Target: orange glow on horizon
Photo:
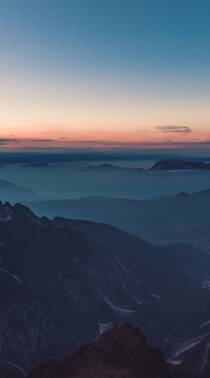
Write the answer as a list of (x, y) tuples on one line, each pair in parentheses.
[(103, 140)]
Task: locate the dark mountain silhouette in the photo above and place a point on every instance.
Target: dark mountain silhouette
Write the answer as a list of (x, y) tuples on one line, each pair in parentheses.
[(175, 164), (41, 164), (161, 165), (181, 218), (121, 352), (63, 282), (111, 167), (107, 167)]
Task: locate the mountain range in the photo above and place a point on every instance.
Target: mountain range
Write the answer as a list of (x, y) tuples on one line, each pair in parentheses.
[(176, 164), (63, 282), (160, 165), (183, 218)]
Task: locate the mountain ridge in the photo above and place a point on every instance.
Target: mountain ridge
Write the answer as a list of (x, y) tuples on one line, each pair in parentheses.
[(121, 352), (177, 164), (183, 217), (63, 281)]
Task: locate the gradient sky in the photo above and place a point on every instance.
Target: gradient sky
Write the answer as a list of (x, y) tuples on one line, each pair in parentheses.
[(104, 74)]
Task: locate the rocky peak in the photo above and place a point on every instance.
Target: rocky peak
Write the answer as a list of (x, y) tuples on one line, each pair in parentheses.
[(18, 211), (121, 352), (123, 339), (6, 211)]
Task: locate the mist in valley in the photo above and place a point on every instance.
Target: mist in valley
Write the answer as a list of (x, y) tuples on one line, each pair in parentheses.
[(123, 179)]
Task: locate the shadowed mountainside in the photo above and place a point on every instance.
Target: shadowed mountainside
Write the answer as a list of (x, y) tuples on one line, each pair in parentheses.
[(181, 218), (63, 282)]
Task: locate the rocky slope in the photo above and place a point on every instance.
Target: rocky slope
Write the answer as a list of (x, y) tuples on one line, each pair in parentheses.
[(63, 282), (183, 218), (121, 352)]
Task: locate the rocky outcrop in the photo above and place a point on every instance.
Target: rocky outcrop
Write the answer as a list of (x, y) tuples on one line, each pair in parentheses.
[(121, 352)]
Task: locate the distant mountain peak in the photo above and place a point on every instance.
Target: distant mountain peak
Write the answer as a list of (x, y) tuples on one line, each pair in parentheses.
[(107, 166), (182, 194), (176, 164), (38, 164)]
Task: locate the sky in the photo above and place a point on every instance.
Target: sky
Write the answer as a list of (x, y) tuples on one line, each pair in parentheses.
[(96, 74)]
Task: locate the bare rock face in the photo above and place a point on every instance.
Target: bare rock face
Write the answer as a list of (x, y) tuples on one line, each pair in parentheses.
[(121, 352)]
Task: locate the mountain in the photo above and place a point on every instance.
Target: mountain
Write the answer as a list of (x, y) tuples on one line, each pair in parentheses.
[(181, 218), (15, 193), (121, 352), (63, 282), (175, 164), (161, 165), (38, 164), (106, 167)]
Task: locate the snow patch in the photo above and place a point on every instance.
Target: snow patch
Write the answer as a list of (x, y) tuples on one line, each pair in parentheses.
[(16, 278), (174, 362), (155, 296), (140, 301), (17, 367), (103, 327), (205, 324), (206, 283), (122, 311), (187, 345)]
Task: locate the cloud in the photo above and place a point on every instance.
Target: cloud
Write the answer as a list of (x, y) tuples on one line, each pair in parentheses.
[(174, 129), (5, 141)]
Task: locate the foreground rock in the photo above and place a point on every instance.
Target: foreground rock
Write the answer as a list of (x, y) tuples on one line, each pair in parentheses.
[(121, 352), (62, 282)]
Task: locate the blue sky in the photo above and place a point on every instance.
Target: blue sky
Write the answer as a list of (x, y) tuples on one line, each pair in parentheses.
[(69, 68), (137, 35)]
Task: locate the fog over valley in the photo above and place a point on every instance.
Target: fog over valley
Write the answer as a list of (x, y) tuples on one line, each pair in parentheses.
[(118, 179)]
